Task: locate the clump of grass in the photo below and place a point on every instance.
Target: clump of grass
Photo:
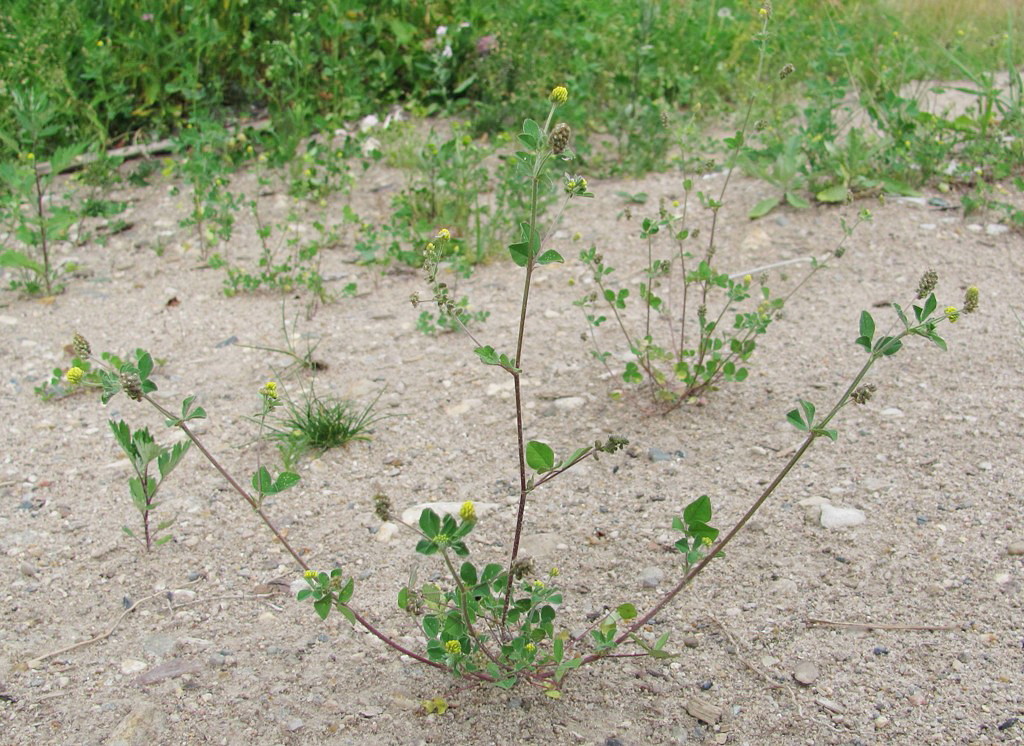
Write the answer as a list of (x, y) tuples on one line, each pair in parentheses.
[(320, 424)]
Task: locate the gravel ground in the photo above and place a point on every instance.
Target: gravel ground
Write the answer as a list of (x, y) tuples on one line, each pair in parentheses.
[(920, 620)]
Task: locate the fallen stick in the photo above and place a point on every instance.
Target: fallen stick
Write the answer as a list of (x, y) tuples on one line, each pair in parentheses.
[(898, 627)]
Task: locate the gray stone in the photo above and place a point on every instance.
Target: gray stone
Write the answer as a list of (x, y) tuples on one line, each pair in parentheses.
[(833, 516), (651, 577), (140, 727), (171, 669), (1016, 549), (569, 403), (805, 672), (996, 229), (159, 645)]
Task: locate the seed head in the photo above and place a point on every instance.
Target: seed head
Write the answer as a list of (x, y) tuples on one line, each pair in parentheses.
[(522, 567), (559, 138), (927, 284), (454, 647), (838, 253), (132, 386), (559, 94), (74, 375), (864, 393), (80, 345), (787, 70), (382, 506), (664, 119), (468, 511), (971, 300)]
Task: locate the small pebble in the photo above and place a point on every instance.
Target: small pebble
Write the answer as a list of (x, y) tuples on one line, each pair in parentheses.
[(1016, 549), (805, 672), (706, 684), (651, 577), (690, 641), (880, 650)]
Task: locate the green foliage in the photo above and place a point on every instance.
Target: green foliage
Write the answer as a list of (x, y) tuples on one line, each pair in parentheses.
[(142, 451), (316, 424)]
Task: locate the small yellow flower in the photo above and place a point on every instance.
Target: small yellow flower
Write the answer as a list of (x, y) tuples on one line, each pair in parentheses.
[(30, 156), (74, 375), (453, 646), (538, 585), (952, 314), (675, 203), (553, 572), (468, 511), (443, 234), (309, 574), (269, 390), (747, 279), (530, 647), (99, 42), (706, 541), (559, 94)]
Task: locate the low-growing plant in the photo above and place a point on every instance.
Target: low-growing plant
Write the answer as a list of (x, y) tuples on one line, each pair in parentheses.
[(205, 149), (300, 361), (37, 221), (142, 451), (319, 424), (497, 621), (58, 387)]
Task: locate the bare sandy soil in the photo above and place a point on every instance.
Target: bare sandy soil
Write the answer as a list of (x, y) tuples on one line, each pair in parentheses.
[(934, 462)]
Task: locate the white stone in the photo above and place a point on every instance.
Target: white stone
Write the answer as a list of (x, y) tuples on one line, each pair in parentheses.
[(569, 403), (892, 412), (837, 517), (996, 229), (386, 532), (131, 665)]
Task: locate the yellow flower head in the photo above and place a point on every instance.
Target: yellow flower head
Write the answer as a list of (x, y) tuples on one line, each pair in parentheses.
[(468, 511), (553, 572), (530, 647), (444, 234), (453, 646), (309, 574), (74, 375), (952, 314), (747, 279), (269, 390), (559, 94)]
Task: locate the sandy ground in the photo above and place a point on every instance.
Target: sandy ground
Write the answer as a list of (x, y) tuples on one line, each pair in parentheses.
[(934, 462)]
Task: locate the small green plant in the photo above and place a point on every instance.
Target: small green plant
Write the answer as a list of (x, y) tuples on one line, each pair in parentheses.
[(434, 324), (37, 221), (300, 361), (142, 452), (206, 156), (58, 387), (316, 424)]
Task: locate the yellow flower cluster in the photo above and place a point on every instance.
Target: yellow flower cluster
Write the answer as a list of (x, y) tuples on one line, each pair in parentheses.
[(952, 314), (559, 94), (74, 375), (309, 574), (269, 390), (453, 646), (444, 234), (468, 511)]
